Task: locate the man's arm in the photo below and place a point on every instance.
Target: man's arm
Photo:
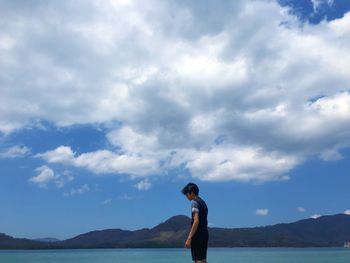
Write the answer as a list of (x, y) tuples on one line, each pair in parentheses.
[(194, 225)]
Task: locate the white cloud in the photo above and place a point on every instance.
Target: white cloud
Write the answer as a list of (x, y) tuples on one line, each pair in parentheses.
[(15, 151), (182, 76), (221, 163), (103, 161), (134, 143), (347, 212), (107, 201), (315, 216), (45, 175), (239, 163), (62, 179), (143, 185), (301, 209), (61, 154), (262, 211), (125, 197), (318, 4), (330, 155), (78, 191)]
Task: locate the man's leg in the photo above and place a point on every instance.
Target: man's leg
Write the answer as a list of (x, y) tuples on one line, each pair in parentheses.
[(203, 252)]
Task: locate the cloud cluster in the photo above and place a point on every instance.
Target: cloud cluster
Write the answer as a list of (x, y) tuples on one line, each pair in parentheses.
[(262, 212), (15, 151), (107, 201), (301, 209), (143, 185), (102, 161), (78, 191), (230, 91), (45, 175), (318, 4)]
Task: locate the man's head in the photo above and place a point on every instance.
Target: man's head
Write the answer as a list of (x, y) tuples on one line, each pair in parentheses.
[(191, 190)]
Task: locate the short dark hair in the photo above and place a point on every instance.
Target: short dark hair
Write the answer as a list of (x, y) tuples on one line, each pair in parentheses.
[(190, 188)]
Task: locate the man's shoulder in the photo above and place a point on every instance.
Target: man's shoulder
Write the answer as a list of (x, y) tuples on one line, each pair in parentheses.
[(203, 204), (200, 199), (194, 202)]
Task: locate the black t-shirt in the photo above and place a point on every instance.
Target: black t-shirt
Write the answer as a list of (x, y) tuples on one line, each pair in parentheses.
[(199, 206)]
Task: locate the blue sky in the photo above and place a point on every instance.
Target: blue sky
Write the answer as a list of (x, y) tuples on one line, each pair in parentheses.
[(108, 108)]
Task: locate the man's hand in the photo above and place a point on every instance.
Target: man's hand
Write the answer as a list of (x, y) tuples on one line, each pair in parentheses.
[(188, 243), (193, 230)]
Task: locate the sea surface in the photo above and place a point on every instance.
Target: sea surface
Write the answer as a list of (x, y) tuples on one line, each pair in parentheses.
[(176, 255)]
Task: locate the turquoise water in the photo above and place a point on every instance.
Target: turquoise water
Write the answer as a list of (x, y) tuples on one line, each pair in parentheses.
[(176, 255)]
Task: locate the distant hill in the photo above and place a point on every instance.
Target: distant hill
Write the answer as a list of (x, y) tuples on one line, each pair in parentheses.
[(329, 230), (47, 239), (8, 242)]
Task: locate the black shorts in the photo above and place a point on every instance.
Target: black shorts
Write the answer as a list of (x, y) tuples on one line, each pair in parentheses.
[(199, 246)]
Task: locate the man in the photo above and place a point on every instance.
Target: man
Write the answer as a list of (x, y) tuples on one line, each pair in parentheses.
[(199, 235)]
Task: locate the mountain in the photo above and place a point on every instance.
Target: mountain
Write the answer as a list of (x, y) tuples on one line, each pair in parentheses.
[(8, 242), (167, 234), (47, 239), (328, 230), (175, 223)]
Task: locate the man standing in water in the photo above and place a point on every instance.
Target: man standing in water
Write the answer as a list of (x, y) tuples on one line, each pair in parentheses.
[(199, 235)]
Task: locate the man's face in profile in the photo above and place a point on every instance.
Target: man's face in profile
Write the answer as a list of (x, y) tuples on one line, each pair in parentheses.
[(190, 196)]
